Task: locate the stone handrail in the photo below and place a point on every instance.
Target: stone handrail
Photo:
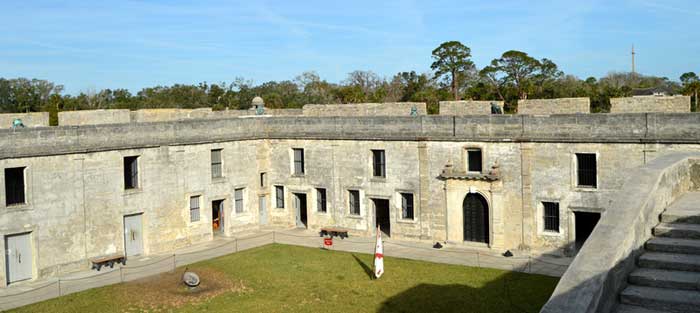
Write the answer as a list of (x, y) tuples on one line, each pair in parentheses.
[(599, 272)]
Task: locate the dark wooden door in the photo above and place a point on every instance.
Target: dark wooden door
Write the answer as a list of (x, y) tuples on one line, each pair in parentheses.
[(476, 218)]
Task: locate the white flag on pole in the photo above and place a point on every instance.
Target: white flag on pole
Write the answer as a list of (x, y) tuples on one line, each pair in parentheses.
[(379, 255)]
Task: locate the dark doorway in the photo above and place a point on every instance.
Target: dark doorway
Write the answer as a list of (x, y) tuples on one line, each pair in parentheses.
[(381, 212), (217, 216), (476, 218), (585, 222), (300, 207)]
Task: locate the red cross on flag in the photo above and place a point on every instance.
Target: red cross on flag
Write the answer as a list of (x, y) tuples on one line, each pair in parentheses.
[(379, 255)]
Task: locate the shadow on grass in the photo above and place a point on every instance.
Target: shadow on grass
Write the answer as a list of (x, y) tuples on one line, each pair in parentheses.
[(364, 266), (511, 292)]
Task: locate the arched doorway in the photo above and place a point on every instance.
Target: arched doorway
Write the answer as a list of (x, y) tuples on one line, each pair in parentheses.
[(476, 218)]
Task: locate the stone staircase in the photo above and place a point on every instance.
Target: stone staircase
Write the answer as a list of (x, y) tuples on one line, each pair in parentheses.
[(668, 275)]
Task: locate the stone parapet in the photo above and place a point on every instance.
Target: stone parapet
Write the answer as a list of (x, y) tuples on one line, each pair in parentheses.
[(467, 107), (34, 119), (365, 109), (642, 104), (554, 106), (93, 117)]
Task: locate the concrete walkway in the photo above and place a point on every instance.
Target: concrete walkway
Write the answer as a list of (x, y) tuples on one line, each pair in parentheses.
[(24, 293)]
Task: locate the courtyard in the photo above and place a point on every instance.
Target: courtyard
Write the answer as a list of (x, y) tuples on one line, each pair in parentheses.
[(284, 278)]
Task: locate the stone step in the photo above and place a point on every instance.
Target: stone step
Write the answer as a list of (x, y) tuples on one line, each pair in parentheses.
[(686, 209), (665, 279), (624, 308), (681, 217), (668, 300), (670, 261), (677, 230), (673, 245)]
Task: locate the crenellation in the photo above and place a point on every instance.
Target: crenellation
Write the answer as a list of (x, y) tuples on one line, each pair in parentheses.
[(554, 106), (641, 104)]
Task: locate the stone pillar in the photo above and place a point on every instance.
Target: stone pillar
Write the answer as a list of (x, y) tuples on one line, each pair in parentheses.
[(527, 222), (426, 212)]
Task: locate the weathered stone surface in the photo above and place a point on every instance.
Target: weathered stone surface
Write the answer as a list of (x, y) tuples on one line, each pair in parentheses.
[(35, 119), (467, 107), (554, 106), (365, 109), (640, 104), (93, 117)]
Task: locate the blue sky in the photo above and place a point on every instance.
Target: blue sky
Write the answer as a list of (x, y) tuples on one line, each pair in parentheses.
[(134, 44)]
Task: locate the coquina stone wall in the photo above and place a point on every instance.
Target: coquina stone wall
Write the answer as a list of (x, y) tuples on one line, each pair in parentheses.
[(467, 107), (76, 200), (161, 115), (640, 104), (554, 106), (93, 117), (35, 119), (365, 109)]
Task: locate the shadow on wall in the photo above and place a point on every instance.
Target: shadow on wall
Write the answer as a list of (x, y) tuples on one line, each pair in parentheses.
[(509, 292)]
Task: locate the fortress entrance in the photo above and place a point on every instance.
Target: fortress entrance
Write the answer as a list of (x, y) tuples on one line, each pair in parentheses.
[(381, 212), (300, 207), (585, 222), (476, 218), (217, 216)]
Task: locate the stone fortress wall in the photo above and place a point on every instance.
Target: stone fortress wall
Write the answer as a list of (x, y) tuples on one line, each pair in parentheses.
[(554, 106), (365, 109), (467, 107), (34, 119), (76, 200), (638, 104)]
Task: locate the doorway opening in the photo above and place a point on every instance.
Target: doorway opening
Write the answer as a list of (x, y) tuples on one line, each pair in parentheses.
[(381, 212), (475, 211), (217, 216), (300, 207), (18, 258), (585, 222), (133, 235)]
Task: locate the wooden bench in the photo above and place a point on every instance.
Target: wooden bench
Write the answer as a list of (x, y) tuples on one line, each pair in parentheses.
[(334, 232), (108, 260)]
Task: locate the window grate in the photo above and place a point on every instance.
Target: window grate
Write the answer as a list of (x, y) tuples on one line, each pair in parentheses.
[(354, 199), (551, 216), (238, 199), (279, 196), (194, 209), (14, 186), (298, 161), (321, 200), (587, 173), (216, 164), (407, 205), (378, 163)]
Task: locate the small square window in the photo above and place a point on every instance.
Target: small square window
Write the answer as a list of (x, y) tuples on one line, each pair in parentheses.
[(551, 216), (354, 202), (131, 172), (321, 200), (14, 186), (474, 160), (279, 197), (407, 206), (194, 209), (586, 170)]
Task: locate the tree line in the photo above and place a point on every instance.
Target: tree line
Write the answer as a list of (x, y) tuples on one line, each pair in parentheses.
[(512, 76)]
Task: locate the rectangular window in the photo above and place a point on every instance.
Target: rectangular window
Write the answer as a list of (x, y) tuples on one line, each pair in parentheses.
[(378, 163), (587, 170), (279, 196), (262, 179), (354, 199), (14, 186), (194, 209), (238, 197), (216, 164), (551, 216), (474, 160), (321, 200), (131, 172), (298, 161), (407, 206)]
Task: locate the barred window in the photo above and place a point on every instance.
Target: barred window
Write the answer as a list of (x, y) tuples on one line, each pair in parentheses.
[(298, 161), (474, 160), (216, 164), (354, 199), (279, 196), (407, 205), (587, 171), (551, 216), (194, 209), (131, 172), (238, 199), (321, 200), (14, 186), (378, 163)]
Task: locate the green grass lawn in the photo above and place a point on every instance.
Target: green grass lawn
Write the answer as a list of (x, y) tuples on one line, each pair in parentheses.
[(281, 278)]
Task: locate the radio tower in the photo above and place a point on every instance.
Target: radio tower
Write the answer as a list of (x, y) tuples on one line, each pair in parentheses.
[(633, 72)]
